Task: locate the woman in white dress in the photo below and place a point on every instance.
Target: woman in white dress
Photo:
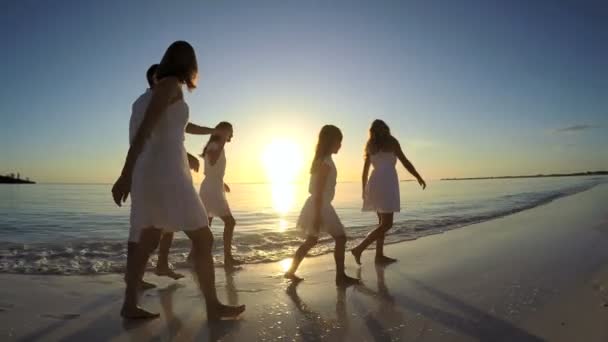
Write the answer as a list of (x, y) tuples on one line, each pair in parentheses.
[(318, 215), (157, 174), (381, 190), (213, 189)]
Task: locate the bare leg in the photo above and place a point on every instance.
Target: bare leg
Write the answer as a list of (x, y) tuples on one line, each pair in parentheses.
[(310, 242), (131, 246), (202, 242), (386, 222), (380, 257), (191, 255), (229, 224), (341, 278), (135, 270), (162, 267)]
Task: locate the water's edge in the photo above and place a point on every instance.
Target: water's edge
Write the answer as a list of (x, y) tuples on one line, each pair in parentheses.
[(102, 257)]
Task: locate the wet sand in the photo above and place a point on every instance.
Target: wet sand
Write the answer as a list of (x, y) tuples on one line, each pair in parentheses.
[(537, 275)]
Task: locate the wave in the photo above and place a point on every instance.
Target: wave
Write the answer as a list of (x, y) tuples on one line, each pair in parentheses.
[(82, 257)]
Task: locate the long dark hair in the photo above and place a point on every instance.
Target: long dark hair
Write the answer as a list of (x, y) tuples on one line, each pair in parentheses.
[(380, 138), (179, 61), (150, 74), (214, 137), (328, 136)]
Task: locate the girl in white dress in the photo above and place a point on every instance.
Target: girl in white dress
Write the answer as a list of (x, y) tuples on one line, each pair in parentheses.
[(318, 215), (213, 189), (381, 190), (157, 174)]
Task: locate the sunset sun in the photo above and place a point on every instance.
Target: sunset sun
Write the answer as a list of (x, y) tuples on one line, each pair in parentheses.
[(282, 160)]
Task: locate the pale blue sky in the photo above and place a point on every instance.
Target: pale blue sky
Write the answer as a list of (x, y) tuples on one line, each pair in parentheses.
[(469, 87)]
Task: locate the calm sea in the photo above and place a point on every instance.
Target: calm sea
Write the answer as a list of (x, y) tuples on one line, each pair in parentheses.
[(76, 229)]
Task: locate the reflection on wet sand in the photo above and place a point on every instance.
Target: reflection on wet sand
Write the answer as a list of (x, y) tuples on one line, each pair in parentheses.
[(192, 329), (387, 321), (174, 324), (219, 330), (231, 293), (314, 326)]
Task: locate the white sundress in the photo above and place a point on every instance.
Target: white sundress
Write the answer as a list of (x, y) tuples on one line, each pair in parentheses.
[(330, 222), (382, 189), (212, 190), (162, 193)]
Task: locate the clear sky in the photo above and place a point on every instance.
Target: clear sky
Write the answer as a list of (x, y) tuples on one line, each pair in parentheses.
[(470, 88)]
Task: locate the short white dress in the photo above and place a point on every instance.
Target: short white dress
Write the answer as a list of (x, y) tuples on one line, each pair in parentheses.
[(162, 193), (382, 189), (330, 222), (212, 190)]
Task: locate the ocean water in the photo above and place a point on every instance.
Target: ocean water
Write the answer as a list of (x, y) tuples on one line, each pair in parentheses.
[(76, 229)]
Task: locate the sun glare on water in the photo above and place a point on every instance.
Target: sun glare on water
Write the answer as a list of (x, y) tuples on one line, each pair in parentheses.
[(283, 159), (285, 264)]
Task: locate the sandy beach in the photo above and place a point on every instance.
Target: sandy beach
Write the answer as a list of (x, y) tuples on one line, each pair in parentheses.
[(541, 274)]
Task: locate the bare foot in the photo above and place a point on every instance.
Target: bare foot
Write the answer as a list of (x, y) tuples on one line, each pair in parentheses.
[(384, 260), (344, 280), (292, 277), (231, 262), (224, 311), (137, 313), (144, 285), (357, 255), (168, 273)]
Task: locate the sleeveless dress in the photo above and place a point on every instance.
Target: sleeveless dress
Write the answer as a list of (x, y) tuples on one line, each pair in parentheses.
[(212, 190), (382, 189), (330, 222), (162, 193)]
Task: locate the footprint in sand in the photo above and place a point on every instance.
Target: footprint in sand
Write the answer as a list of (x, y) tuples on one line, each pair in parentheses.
[(66, 316)]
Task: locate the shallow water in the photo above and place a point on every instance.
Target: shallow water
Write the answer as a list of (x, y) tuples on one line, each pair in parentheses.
[(77, 229)]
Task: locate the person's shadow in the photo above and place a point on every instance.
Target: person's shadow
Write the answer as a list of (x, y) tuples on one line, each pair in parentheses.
[(474, 323)]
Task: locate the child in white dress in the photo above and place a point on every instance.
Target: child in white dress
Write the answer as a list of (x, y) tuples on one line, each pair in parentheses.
[(213, 189), (381, 190), (318, 215)]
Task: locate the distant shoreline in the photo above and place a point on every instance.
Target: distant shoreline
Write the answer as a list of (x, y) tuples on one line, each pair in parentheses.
[(9, 180), (577, 174)]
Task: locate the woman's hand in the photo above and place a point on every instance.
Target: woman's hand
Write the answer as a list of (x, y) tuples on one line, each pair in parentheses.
[(226, 188), (422, 183), (193, 163), (121, 189)]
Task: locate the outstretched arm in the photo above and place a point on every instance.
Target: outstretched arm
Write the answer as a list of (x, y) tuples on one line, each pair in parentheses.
[(166, 90), (408, 165), (198, 130), (365, 174)]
